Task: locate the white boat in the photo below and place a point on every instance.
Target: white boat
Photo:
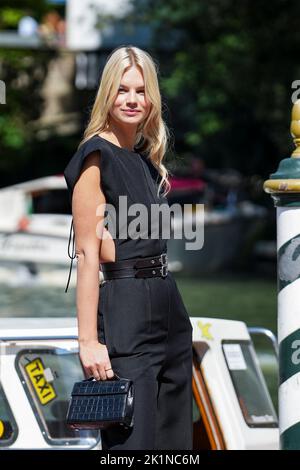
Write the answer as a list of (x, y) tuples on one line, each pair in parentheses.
[(34, 230), (229, 234), (37, 208), (39, 363)]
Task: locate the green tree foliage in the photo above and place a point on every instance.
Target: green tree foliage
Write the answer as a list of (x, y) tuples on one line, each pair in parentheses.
[(23, 72), (228, 82), (13, 10)]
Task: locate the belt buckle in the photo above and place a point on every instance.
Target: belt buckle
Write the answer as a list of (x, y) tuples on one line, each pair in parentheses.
[(164, 270), (163, 259)]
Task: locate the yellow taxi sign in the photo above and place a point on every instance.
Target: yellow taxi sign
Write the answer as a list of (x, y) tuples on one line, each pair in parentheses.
[(43, 389)]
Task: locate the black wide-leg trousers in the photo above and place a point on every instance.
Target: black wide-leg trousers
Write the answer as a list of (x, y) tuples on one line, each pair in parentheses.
[(148, 334)]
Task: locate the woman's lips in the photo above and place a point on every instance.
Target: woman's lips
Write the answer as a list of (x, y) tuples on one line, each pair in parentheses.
[(130, 113)]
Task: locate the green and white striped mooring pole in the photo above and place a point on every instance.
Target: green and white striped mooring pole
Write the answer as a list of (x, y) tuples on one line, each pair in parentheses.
[(284, 187)]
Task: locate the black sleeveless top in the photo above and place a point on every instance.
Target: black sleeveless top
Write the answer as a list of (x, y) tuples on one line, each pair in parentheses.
[(128, 173)]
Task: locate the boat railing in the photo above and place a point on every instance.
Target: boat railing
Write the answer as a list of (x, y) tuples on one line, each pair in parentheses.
[(254, 330), (38, 338)]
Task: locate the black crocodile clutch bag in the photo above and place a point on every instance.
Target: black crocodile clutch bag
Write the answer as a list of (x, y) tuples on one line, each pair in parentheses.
[(99, 404)]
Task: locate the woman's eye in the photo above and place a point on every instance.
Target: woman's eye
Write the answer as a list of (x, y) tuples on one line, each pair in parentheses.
[(122, 89)]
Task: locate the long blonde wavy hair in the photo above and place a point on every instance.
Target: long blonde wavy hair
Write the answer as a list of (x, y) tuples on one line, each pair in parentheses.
[(152, 135)]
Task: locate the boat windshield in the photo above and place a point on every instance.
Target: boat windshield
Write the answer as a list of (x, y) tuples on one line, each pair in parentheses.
[(48, 376), (250, 386)]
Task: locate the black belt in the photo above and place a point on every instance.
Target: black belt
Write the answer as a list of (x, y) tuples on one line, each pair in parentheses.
[(154, 266)]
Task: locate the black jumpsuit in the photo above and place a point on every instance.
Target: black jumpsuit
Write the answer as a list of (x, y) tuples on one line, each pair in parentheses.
[(142, 321)]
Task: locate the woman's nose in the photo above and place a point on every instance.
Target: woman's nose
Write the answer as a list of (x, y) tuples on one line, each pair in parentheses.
[(131, 97)]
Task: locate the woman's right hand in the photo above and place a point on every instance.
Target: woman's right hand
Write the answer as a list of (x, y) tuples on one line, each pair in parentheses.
[(95, 360)]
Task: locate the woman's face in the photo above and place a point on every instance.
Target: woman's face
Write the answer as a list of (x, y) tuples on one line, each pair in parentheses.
[(131, 105)]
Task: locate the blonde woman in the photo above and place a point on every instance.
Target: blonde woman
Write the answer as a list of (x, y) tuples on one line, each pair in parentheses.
[(134, 323)]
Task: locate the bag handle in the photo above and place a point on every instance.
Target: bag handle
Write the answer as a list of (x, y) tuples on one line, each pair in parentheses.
[(90, 379)]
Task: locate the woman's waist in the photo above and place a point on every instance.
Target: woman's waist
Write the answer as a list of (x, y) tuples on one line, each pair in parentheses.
[(146, 266)]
